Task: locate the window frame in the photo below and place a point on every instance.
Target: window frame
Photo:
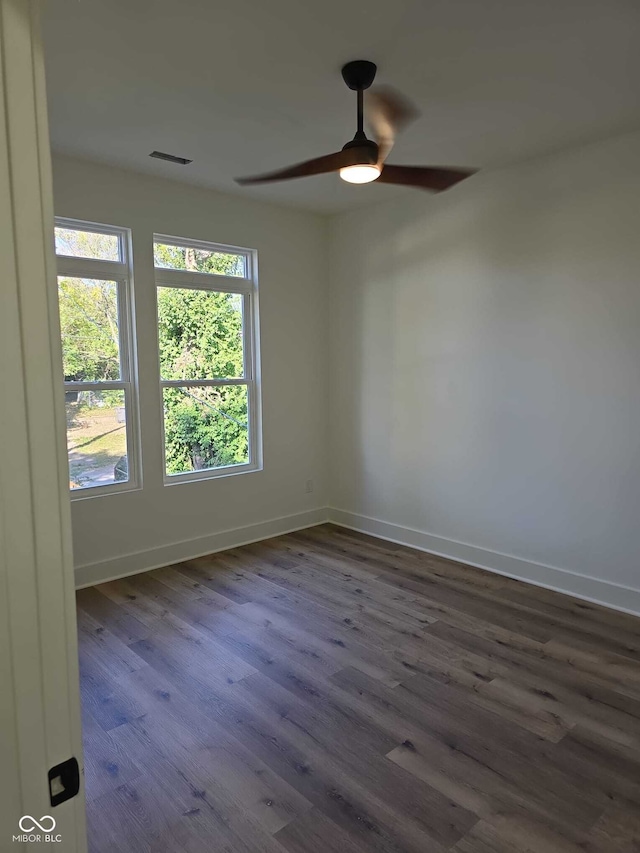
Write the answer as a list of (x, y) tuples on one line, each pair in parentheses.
[(121, 273), (247, 287)]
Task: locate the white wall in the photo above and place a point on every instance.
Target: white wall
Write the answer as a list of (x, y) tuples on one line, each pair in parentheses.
[(485, 377), (293, 318)]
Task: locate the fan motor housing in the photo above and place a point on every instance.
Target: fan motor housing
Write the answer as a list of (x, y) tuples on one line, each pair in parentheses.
[(368, 146), (359, 74)]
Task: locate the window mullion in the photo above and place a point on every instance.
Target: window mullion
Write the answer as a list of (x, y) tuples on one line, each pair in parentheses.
[(69, 267), (196, 383), (124, 332), (107, 385), (247, 335), (201, 281)]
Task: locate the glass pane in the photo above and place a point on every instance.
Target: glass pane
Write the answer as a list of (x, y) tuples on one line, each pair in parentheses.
[(205, 428), (199, 260), (88, 244), (89, 327), (200, 334), (96, 438)]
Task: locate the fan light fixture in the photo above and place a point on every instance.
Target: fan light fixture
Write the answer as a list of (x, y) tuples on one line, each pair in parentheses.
[(363, 160), (360, 174)]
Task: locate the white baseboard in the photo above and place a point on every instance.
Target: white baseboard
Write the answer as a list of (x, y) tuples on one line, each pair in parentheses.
[(166, 555), (616, 596), (587, 588)]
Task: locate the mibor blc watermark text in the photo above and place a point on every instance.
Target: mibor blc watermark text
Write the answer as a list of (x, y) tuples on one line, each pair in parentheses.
[(37, 831)]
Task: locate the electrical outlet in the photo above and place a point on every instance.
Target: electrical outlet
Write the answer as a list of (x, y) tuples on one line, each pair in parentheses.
[(308, 486)]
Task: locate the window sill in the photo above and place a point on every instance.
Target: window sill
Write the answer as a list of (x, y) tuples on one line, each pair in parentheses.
[(214, 474), (103, 491)]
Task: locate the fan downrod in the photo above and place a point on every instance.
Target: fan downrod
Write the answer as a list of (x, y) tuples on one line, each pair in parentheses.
[(359, 74)]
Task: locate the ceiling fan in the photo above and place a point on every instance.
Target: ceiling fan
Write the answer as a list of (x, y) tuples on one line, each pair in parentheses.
[(362, 160)]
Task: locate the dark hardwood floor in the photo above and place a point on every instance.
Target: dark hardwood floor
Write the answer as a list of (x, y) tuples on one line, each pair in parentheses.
[(327, 691)]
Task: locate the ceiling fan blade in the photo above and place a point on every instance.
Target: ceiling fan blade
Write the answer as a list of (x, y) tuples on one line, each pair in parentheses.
[(388, 113), (424, 177), (321, 165)]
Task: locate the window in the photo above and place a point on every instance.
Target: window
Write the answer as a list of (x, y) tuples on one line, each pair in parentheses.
[(207, 336), (94, 291)]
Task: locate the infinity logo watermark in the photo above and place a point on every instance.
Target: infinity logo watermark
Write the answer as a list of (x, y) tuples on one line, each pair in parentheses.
[(28, 824)]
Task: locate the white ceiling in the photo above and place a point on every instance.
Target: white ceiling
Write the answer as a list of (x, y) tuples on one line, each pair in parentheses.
[(245, 86)]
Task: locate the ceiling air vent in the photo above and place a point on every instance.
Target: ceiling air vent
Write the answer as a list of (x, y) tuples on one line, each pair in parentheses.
[(171, 158)]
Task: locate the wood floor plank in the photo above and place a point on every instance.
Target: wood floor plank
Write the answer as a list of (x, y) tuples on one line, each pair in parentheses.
[(580, 696), (108, 614), (231, 778), (175, 736), (508, 834), (359, 751), (496, 695), (316, 833), (502, 747), (531, 610), (341, 796), (339, 590), (109, 705), (617, 831), (199, 652), (326, 690), (106, 764), (621, 674), (433, 746), (99, 644)]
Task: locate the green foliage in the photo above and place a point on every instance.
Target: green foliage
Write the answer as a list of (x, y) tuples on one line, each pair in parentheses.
[(197, 260), (205, 427), (200, 334), (87, 244), (89, 326)]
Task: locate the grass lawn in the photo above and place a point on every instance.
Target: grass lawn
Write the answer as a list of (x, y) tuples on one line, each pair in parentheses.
[(95, 441)]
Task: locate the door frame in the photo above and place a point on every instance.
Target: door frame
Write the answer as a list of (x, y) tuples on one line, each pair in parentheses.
[(39, 701)]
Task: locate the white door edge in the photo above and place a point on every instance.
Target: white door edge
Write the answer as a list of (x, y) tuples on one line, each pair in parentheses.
[(39, 700)]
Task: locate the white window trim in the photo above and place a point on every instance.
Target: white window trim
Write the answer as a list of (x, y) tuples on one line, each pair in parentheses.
[(247, 287), (96, 227), (120, 272)]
